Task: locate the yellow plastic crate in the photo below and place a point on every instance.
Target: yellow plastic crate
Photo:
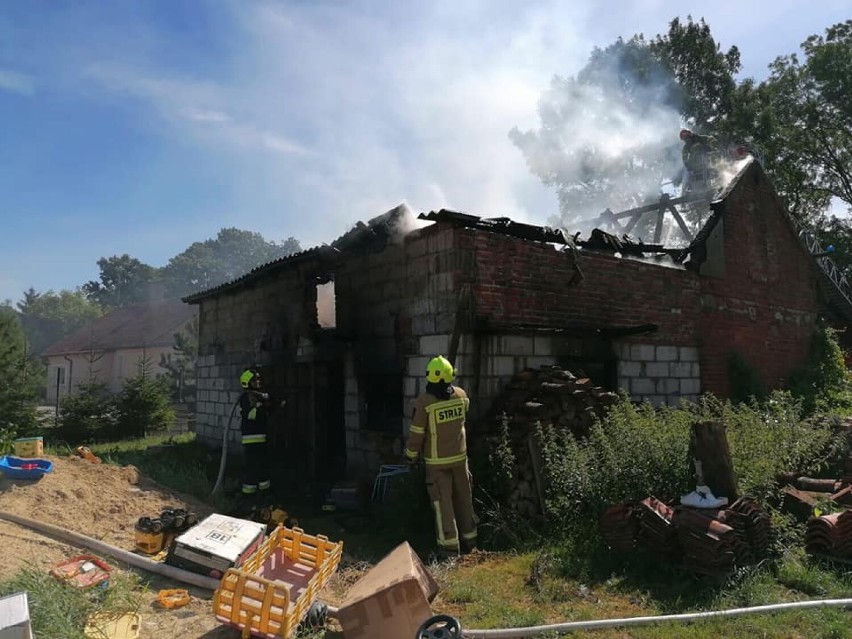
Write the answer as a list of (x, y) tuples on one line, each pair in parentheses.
[(28, 447), (270, 594)]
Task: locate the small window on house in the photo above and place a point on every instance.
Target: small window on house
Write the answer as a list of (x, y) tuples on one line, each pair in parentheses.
[(326, 305), (60, 375), (383, 399)]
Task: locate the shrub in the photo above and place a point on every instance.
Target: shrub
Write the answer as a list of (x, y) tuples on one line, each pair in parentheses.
[(143, 404), (87, 415), (824, 383), (637, 451)]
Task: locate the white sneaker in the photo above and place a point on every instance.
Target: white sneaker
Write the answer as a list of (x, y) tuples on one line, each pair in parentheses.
[(702, 497)]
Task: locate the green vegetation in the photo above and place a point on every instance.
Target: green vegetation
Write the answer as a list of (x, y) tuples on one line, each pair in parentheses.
[(20, 377), (93, 414), (59, 611), (824, 383)]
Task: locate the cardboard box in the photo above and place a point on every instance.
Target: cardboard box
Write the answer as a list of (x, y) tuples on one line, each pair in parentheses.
[(216, 544), (391, 600), (15, 617)]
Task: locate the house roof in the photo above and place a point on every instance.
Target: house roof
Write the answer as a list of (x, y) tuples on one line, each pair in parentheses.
[(372, 234), (323, 252), (135, 326)]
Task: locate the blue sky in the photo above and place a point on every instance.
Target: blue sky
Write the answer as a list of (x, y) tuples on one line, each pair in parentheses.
[(142, 126)]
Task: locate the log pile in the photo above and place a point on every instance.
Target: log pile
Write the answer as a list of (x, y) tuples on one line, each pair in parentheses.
[(708, 541), (550, 396)]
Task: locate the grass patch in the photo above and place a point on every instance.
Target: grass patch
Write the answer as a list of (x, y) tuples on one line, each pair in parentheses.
[(59, 611)]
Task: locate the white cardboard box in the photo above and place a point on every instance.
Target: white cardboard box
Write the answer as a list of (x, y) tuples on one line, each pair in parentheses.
[(15, 617), (215, 544)]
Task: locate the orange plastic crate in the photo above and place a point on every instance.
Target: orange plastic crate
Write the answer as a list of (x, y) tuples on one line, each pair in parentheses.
[(270, 594)]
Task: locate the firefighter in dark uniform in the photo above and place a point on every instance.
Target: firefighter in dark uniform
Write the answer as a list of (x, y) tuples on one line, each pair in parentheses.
[(437, 436), (255, 406), (696, 155)]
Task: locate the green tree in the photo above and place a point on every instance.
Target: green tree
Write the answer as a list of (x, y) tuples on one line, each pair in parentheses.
[(143, 403), (20, 377), (88, 414), (705, 75), (48, 317), (180, 365), (806, 109), (124, 280), (233, 252)]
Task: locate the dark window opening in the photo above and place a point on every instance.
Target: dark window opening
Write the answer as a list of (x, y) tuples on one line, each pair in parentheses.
[(383, 403)]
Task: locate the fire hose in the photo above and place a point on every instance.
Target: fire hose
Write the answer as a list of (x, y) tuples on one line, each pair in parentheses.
[(223, 460), (446, 627), (132, 559)]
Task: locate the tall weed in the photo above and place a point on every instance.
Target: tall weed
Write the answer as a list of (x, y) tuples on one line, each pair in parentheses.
[(637, 451)]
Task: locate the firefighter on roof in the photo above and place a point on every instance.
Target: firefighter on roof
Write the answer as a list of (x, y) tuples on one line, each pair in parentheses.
[(437, 437), (696, 155)]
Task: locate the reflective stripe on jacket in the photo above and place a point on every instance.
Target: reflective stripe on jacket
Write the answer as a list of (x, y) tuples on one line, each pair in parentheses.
[(437, 430)]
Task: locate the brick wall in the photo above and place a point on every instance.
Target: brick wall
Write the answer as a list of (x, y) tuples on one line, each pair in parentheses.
[(519, 282), (764, 300)]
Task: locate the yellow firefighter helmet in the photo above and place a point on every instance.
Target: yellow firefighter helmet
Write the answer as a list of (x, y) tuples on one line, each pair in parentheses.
[(440, 370)]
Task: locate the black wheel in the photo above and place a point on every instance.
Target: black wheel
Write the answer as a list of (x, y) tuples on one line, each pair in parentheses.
[(317, 615), (440, 627), (156, 526)]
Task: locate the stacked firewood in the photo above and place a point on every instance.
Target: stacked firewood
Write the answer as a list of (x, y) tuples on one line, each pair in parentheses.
[(707, 541), (549, 396)]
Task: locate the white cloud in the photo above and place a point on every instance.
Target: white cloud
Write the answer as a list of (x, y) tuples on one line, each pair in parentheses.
[(16, 82), (202, 115)]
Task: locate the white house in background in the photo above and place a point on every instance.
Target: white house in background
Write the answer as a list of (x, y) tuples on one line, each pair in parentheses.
[(110, 349)]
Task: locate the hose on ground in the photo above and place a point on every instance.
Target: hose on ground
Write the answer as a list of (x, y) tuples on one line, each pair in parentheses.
[(559, 628), (125, 556), (224, 458)]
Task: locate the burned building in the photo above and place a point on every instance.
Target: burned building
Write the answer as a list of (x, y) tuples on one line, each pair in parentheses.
[(498, 296)]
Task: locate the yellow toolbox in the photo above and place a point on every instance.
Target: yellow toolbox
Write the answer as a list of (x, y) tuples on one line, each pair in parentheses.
[(272, 591), (28, 447)]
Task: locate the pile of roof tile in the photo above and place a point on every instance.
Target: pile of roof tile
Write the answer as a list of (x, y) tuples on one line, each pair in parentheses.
[(830, 535), (709, 546), (656, 530), (802, 494), (620, 527), (709, 541)]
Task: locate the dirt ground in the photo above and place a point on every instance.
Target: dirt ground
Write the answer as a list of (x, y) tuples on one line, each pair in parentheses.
[(104, 502)]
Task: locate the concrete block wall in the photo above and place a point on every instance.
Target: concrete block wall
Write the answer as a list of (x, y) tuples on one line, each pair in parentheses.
[(501, 356), (256, 325), (660, 374)]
